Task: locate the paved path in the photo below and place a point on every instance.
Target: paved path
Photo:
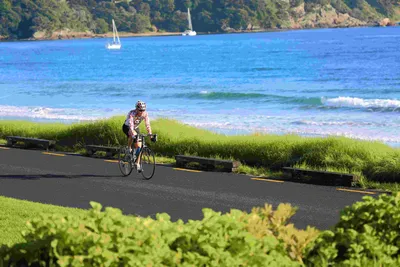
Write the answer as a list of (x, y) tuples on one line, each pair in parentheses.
[(73, 181)]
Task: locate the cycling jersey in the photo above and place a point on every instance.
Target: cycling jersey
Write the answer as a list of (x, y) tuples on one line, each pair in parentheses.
[(133, 120)]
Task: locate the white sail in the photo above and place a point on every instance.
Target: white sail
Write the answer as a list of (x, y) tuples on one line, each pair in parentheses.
[(189, 32), (190, 21), (113, 25), (116, 44), (116, 33)]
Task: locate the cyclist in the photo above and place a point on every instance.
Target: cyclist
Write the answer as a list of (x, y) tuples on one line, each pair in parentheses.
[(131, 128)]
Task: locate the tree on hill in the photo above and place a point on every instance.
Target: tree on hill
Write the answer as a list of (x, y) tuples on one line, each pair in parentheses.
[(22, 18)]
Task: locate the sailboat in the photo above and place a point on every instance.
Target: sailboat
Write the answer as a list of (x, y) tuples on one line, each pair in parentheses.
[(189, 32), (116, 44)]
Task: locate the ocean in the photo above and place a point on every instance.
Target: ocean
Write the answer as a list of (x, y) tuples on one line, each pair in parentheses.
[(323, 82)]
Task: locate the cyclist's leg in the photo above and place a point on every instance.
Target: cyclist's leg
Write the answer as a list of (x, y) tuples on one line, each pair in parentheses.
[(138, 145), (125, 129), (130, 141)]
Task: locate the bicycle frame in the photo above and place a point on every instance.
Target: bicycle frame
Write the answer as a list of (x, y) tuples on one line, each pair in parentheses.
[(140, 137), (131, 159)]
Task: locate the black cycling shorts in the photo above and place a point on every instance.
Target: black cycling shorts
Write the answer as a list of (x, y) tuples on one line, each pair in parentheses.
[(125, 129)]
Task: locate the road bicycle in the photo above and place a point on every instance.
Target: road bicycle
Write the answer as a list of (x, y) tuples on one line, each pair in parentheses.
[(127, 160)]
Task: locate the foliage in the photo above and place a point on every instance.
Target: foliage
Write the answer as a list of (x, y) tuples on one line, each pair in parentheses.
[(101, 26), (22, 18), (108, 238), (367, 235), (141, 23)]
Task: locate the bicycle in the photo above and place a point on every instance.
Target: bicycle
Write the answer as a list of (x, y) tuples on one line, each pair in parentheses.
[(127, 160)]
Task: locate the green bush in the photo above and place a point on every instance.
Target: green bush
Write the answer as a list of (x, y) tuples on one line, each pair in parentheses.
[(97, 238), (101, 26), (141, 23), (368, 234)]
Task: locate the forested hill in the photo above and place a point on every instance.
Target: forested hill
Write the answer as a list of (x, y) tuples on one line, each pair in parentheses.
[(30, 18)]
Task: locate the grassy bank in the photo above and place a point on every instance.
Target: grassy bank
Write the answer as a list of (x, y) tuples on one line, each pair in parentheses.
[(15, 213), (374, 162)]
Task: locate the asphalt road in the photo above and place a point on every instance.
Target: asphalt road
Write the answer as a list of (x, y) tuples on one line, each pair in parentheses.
[(73, 181)]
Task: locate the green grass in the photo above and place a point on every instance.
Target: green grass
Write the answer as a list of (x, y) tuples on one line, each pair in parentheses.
[(165, 160), (391, 187), (261, 153), (259, 172), (15, 213)]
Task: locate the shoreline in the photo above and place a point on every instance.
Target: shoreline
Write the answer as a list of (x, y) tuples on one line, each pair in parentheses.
[(71, 35)]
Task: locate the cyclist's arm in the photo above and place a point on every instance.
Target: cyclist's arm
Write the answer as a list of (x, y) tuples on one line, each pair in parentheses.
[(132, 132), (147, 122)]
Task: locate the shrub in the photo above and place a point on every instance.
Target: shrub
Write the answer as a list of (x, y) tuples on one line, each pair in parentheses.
[(109, 238), (368, 234)]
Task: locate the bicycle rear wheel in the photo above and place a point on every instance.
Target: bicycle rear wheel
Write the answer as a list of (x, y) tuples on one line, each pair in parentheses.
[(125, 161), (148, 163)]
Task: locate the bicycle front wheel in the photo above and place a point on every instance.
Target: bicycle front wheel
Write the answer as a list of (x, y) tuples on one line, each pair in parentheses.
[(148, 163), (125, 161)]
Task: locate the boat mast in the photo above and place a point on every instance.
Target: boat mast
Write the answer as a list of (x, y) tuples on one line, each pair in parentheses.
[(190, 21), (116, 32), (113, 30)]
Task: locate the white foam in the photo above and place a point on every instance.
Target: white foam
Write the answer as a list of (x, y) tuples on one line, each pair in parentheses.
[(385, 130), (1, 97), (48, 113), (273, 128), (380, 36), (354, 102), (341, 123)]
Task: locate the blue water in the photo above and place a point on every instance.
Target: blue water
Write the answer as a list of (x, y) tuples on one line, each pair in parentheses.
[(323, 82)]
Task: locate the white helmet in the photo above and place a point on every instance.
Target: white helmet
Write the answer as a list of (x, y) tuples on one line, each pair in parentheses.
[(140, 105)]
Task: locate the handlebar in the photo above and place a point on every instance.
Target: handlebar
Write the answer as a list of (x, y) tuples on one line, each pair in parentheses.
[(140, 136), (147, 135)]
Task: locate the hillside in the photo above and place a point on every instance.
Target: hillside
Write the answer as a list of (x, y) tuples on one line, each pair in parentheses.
[(41, 19)]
